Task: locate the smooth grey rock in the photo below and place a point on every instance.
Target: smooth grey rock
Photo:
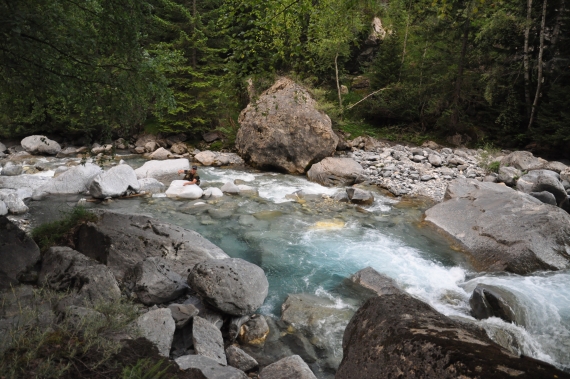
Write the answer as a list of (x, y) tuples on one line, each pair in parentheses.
[(151, 185), (208, 340), (490, 178), (543, 180), (73, 181), (425, 178), (233, 286), (557, 167), (40, 145), (158, 327), (523, 160), (544, 196), (359, 196), (230, 188), (11, 169), (240, 359), (30, 181), (66, 269), (156, 283), (254, 331), (435, 160), (491, 301), (162, 169), (161, 154), (183, 313), (121, 241), (292, 367), (18, 252), (335, 172), (371, 279), (114, 182), (213, 192), (503, 229), (284, 130), (179, 148), (509, 175), (151, 146), (204, 367), (179, 189), (3, 208), (14, 204)]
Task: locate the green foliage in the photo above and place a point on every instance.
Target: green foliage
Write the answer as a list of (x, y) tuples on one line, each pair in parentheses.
[(144, 369), (494, 166), (60, 231)]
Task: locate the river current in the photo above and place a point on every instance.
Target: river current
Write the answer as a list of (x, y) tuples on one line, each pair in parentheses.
[(312, 245)]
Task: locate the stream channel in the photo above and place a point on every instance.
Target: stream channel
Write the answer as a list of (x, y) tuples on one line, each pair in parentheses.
[(313, 245)]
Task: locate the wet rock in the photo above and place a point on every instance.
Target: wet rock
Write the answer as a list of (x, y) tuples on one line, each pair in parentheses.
[(66, 269), (151, 185), (75, 180), (178, 190), (203, 367), (208, 340), (230, 188), (161, 169), (161, 154), (254, 331), (18, 252), (545, 197), (14, 204), (40, 145), (158, 327), (341, 197), (543, 180), (300, 345), (183, 314), (11, 169), (523, 160), (490, 301), (213, 192), (291, 367), (114, 182), (233, 286), (359, 196), (156, 283), (509, 175), (121, 241), (240, 359), (503, 229), (397, 335), (335, 172), (284, 130), (371, 279)]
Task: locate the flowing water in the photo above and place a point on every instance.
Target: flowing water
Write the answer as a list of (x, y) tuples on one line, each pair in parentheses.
[(314, 244)]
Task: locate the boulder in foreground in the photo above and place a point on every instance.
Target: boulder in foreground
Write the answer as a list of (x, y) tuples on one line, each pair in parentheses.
[(283, 130), (503, 229)]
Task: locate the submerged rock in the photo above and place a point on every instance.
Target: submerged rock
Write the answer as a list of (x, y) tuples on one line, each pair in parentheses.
[(18, 252), (503, 229), (284, 130), (292, 367), (335, 172)]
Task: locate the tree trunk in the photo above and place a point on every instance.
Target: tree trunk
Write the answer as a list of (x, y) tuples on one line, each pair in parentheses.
[(338, 84), (526, 58), (540, 53), (458, 82)]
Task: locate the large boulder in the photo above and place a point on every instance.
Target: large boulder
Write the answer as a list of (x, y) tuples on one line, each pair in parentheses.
[(18, 253), (543, 180), (205, 368), (66, 269), (284, 130), (121, 241), (40, 145), (178, 190), (292, 367), (156, 283), (523, 160), (161, 169), (233, 286), (114, 182), (158, 327), (491, 301), (335, 172), (503, 229), (398, 336), (208, 340), (75, 180)]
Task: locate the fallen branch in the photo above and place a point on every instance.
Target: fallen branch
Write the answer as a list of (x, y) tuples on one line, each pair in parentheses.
[(366, 97)]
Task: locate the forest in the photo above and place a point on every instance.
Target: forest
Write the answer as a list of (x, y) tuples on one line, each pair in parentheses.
[(486, 72)]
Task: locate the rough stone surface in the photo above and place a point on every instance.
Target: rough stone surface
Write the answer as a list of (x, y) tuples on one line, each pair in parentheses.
[(66, 269), (121, 241), (335, 172), (75, 180), (208, 340), (114, 182), (398, 336), (503, 229), (18, 252), (205, 368), (158, 327), (178, 190), (509, 175), (233, 286), (156, 283), (292, 367), (179, 148), (254, 331), (359, 196), (161, 169), (371, 279), (11, 169), (543, 180), (490, 301), (240, 359), (182, 314), (283, 130), (40, 145), (523, 160), (151, 185)]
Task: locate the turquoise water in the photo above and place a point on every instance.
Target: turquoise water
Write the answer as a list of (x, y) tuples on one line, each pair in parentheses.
[(313, 246)]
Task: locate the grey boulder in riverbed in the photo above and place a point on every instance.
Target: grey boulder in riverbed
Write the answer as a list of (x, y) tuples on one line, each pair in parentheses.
[(233, 286), (503, 229), (543, 180), (335, 172), (114, 182), (359, 196), (18, 252), (491, 301), (40, 145), (121, 241), (162, 169), (75, 180), (398, 336)]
